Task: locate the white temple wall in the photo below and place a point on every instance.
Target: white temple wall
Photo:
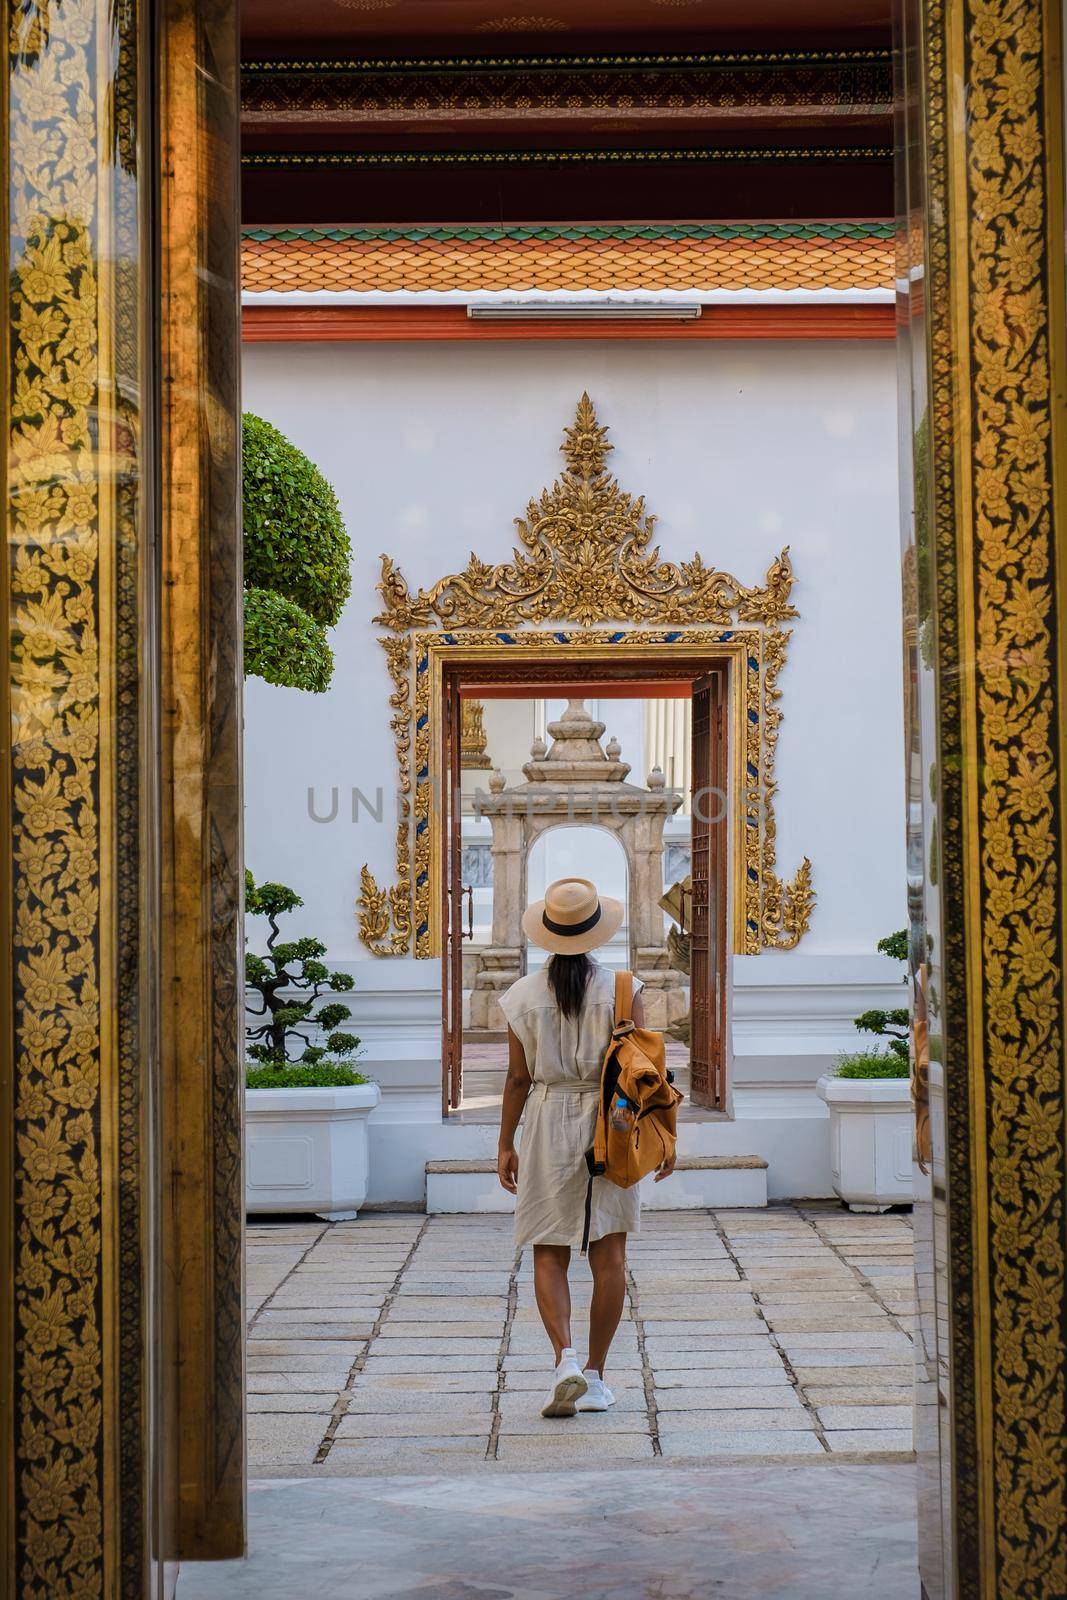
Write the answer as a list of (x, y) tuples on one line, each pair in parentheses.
[(739, 448)]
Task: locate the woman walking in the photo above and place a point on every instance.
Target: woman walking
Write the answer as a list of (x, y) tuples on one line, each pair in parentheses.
[(559, 1027)]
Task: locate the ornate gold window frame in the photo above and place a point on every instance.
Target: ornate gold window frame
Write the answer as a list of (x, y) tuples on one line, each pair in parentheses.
[(585, 560)]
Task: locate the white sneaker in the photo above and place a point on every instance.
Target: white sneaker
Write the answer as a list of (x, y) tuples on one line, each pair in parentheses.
[(568, 1386), (597, 1397)]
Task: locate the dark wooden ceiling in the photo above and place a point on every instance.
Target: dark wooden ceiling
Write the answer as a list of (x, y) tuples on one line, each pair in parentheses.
[(466, 26), (433, 110)]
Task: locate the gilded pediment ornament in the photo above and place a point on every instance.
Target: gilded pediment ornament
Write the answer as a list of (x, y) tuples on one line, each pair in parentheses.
[(585, 557)]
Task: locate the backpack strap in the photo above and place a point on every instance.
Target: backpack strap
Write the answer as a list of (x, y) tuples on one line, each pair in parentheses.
[(596, 1157), (624, 997)]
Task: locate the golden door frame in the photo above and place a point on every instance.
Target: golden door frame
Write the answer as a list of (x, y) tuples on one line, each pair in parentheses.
[(586, 559), (620, 659)]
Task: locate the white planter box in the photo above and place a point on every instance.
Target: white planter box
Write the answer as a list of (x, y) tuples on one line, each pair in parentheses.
[(306, 1149), (871, 1125)]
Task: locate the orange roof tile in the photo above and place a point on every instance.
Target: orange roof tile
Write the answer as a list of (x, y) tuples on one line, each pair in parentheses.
[(696, 257)]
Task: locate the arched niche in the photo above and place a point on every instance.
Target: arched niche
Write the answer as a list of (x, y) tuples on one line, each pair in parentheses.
[(586, 850), (577, 781)]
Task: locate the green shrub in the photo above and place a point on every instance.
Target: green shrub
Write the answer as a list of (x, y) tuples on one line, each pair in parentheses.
[(296, 560), (283, 644), (872, 1064), (289, 982), (894, 1025), (323, 1075), (894, 945)]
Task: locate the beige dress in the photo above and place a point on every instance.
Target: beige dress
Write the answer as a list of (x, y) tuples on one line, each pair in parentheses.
[(564, 1056)]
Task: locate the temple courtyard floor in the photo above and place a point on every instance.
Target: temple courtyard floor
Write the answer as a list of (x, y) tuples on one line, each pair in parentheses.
[(761, 1444)]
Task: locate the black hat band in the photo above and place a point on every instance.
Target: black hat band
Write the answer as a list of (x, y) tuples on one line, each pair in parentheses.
[(571, 930)]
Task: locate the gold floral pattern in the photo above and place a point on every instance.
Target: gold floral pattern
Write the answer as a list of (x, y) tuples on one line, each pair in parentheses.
[(53, 471), (995, 996), (384, 918), (1011, 518)]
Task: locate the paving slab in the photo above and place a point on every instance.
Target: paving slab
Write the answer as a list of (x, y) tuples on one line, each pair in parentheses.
[(871, 1441), (471, 1361), (445, 1426), (665, 1354), (859, 1395), (757, 1442), (896, 1374), (331, 1303), (876, 1338), (880, 1356), (842, 1416), (413, 1383), (772, 1396), (426, 1453), (264, 1383), (298, 1348), (376, 1401), (284, 1440), (293, 1401), (274, 1326), (739, 1419), (441, 1308), (401, 1343), (771, 1376)]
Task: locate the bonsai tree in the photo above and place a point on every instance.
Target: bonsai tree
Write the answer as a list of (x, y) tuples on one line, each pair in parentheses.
[(894, 1026), (289, 982), (296, 561)]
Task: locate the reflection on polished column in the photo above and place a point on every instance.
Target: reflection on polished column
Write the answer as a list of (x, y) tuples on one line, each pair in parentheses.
[(201, 630), (79, 906)]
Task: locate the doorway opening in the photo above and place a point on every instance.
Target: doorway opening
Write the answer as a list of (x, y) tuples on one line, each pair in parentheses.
[(622, 777)]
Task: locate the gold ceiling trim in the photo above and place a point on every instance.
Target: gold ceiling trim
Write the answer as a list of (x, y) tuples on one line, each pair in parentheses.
[(585, 556)]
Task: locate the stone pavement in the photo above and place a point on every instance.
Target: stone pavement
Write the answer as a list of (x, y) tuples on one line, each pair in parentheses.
[(810, 1530), (409, 1344)]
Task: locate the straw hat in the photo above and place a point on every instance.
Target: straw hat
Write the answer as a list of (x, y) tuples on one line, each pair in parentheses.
[(572, 918)]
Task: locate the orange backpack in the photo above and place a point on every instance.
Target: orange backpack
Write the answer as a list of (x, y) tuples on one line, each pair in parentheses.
[(637, 1112)]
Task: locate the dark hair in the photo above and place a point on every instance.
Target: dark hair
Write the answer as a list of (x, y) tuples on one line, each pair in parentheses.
[(568, 978)]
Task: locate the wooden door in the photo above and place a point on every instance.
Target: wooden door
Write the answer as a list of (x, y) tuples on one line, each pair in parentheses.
[(707, 934), (451, 904)]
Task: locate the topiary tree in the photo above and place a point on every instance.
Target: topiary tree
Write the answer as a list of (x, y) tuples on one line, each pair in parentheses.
[(289, 981), (893, 1025), (296, 560)]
